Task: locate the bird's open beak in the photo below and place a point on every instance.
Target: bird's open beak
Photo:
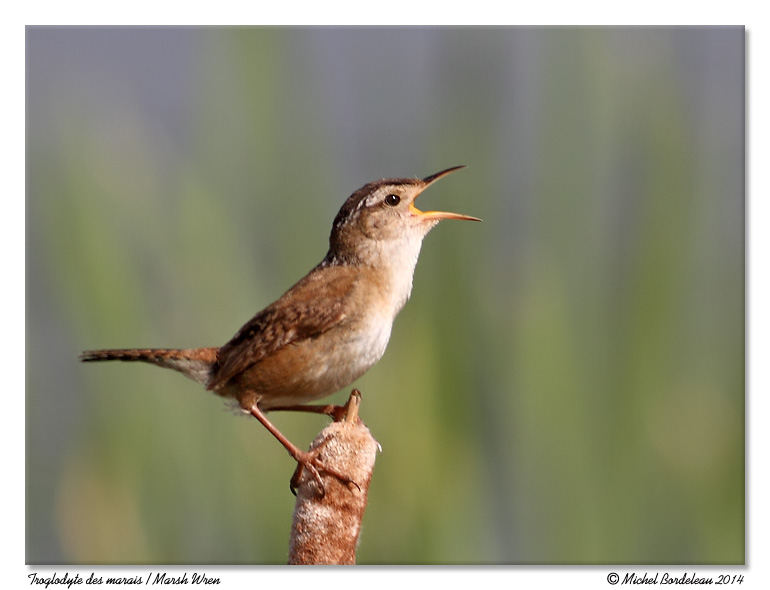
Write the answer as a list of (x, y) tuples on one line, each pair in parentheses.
[(428, 180)]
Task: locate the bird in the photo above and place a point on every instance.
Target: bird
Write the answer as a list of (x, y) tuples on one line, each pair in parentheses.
[(329, 328)]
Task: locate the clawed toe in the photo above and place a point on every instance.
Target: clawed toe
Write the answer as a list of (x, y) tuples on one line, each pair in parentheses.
[(310, 461)]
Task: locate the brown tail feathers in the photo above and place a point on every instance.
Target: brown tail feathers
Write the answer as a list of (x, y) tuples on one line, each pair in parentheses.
[(195, 363)]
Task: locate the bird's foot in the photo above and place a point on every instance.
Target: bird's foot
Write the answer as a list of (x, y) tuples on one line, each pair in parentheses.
[(310, 461)]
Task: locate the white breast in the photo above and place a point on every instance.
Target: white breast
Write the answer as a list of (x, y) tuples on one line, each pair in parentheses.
[(398, 260)]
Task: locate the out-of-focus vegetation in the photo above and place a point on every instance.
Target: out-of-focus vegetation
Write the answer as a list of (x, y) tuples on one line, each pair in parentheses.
[(566, 384)]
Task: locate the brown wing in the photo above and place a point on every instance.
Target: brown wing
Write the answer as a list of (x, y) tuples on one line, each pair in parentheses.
[(311, 307)]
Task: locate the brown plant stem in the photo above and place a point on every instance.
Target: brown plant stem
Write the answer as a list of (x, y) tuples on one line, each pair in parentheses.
[(327, 522)]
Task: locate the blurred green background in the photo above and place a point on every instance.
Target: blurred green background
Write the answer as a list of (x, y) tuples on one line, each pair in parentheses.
[(566, 385)]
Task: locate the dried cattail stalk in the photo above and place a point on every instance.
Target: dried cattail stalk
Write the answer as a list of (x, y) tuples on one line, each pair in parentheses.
[(327, 522)]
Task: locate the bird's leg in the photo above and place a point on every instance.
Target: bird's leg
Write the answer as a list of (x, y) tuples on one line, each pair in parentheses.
[(337, 413), (305, 459)]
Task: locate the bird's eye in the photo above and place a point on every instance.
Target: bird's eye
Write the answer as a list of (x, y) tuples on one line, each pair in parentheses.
[(392, 200)]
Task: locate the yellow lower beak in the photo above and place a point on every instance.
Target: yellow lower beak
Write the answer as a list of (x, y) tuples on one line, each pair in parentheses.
[(441, 214), (437, 215)]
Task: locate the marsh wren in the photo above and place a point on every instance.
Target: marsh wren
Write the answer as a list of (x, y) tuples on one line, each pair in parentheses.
[(330, 327)]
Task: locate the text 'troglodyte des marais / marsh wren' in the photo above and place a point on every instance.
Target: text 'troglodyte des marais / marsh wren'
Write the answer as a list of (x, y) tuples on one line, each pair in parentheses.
[(330, 327)]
